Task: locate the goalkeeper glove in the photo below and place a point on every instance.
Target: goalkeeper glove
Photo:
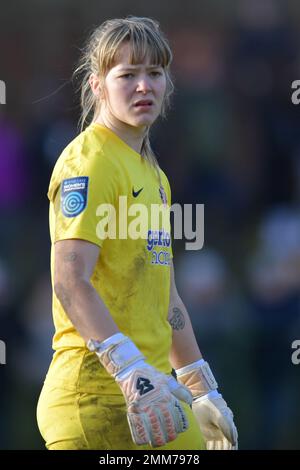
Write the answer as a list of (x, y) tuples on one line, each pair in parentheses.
[(214, 417), (154, 413)]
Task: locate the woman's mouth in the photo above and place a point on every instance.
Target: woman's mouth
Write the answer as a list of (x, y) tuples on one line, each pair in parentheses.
[(143, 104)]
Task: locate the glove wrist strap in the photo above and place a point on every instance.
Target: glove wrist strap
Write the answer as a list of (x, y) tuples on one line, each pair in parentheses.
[(198, 377), (117, 353)]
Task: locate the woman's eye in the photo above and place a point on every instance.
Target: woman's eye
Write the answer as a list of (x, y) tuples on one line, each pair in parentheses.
[(127, 75), (155, 73)]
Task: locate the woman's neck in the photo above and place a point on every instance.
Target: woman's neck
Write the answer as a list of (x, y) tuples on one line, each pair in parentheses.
[(132, 136)]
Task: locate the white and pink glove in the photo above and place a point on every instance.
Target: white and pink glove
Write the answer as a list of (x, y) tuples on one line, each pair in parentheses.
[(214, 417), (154, 413)]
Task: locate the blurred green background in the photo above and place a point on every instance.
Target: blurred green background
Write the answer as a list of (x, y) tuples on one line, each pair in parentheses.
[(231, 142)]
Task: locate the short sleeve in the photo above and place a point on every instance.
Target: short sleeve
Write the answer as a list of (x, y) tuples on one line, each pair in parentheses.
[(80, 190)]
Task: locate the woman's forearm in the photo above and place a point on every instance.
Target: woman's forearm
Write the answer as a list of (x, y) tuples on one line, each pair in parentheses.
[(85, 309), (184, 348)]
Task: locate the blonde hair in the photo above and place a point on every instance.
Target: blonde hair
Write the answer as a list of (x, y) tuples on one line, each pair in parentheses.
[(99, 54)]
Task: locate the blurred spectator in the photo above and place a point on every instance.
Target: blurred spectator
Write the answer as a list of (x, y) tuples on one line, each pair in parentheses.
[(274, 281), (222, 327), (10, 333), (14, 183), (32, 358)]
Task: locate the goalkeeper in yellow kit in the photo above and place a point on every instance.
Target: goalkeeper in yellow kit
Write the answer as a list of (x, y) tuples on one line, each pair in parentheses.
[(120, 325)]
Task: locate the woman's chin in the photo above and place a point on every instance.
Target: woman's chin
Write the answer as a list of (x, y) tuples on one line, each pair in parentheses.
[(144, 122)]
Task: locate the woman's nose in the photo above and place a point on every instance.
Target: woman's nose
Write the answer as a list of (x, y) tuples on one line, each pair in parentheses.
[(143, 85)]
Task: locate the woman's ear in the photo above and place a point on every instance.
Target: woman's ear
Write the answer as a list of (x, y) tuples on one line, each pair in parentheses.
[(95, 85)]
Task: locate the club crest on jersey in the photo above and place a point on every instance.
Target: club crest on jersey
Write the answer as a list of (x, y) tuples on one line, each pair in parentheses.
[(163, 195), (74, 195)]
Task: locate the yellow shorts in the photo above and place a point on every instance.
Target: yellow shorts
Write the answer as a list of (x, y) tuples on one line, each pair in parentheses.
[(69, 420)]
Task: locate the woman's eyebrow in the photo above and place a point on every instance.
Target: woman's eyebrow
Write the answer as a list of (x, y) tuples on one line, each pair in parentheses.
[(137, 67)]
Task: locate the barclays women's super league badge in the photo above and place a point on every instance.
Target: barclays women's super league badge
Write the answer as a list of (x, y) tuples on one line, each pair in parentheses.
[(163, 195), (74, 195)]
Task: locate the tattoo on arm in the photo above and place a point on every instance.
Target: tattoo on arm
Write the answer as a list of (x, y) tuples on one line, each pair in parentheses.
[(63, 295), (177, 320), (73, 264), (70, 257)]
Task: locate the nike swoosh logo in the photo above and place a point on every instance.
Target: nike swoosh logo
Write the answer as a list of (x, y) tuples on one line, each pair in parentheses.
[(136, 193)]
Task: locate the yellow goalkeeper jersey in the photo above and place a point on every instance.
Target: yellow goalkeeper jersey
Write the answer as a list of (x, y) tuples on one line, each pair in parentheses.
[(99, 180)]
